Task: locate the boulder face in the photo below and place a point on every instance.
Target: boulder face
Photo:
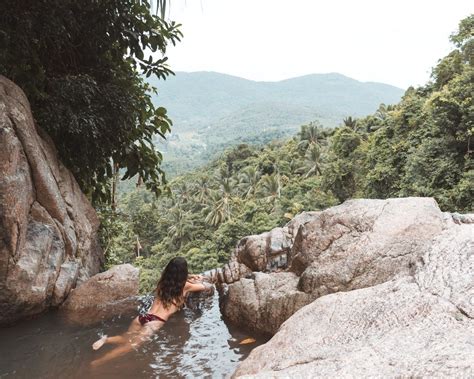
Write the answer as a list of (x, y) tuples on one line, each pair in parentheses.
[(104, 296), (368, 288), (357, 244), (48, 228), (362, 243), (418, 325), (264, 301)]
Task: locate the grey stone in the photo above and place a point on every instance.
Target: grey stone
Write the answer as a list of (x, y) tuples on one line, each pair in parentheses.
[(46, 222), (408, 313), (106, 295)]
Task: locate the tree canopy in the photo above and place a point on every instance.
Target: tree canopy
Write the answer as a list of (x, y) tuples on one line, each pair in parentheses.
[(82, 65)]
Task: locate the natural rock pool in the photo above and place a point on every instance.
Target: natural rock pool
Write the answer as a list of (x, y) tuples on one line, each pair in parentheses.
[(193, 343)]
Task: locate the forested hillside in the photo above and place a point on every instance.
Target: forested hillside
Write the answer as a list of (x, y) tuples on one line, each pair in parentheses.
[(419, 147), (212, 111)]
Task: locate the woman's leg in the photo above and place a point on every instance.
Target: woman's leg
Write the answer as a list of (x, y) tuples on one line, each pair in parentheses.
[(114, 340), (117, 352), (135, 340), (117, 340), (134, 327)]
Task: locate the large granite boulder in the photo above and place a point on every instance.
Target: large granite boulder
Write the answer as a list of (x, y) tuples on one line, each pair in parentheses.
[(357, 244), (420, 324), (363, 242), (48, 228), (264, 301), (104, 296), (367, 288)]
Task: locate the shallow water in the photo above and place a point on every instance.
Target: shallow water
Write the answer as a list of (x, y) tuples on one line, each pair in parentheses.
[(192, 344)]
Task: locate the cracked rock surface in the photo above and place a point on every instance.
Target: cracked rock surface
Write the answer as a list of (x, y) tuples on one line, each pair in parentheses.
[(48, 228), (371, 288)]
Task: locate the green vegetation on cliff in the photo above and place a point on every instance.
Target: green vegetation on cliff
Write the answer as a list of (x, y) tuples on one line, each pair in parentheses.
[(82, 66)]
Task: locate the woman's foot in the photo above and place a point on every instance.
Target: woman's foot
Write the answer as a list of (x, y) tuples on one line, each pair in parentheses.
[(99, 343)]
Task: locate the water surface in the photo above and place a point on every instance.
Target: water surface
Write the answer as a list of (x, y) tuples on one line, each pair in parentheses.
[(192, 344)]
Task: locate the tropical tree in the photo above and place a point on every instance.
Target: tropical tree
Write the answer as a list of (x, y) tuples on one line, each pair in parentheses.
[(182, 191), (83, 65), (351, 123), (382, 111), (225, 181), (270, 186), (248, 180), (180, 230), (311, 134), (202, 189), (219, 208), (312, 163)]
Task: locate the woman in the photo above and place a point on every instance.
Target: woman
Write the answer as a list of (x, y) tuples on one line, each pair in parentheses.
[(171, 292)]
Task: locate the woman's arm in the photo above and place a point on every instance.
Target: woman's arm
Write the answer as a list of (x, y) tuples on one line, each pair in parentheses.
[(195, 278), (196, 287)]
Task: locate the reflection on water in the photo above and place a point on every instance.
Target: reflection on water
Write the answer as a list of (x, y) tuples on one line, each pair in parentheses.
[(193, 343)]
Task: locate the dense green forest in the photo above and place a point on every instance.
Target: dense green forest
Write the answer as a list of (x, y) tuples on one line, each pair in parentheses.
[(418, 147)]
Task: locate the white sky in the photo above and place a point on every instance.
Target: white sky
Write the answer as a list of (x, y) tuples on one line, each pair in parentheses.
[(395, 42)]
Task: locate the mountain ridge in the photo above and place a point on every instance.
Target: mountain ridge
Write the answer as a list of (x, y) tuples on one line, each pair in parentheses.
[(212, 111), (315, 74), (189, 96)]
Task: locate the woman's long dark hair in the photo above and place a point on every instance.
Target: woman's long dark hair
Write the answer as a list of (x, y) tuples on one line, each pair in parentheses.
[(171, 284)]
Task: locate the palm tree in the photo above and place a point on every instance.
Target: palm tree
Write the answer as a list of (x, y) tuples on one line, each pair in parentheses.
[(248, 180), (158, 6), (312, 164), (180, 229), (226, 181), (311, 134), (270, 185), (202, 189), (183, 192), (351, 123), (219, 208), (383, 110)]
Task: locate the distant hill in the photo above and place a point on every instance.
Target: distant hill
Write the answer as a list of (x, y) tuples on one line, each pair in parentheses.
[(211, 111)]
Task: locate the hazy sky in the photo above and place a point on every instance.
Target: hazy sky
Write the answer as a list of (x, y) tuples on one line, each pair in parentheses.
[(395, 42)]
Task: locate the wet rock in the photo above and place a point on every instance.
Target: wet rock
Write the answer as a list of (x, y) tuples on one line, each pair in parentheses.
[(106, 295), (48, 228), (263, 302)]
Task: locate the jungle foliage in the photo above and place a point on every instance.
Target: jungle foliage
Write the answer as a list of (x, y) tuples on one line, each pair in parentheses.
[(82, 65), (421, 146)]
